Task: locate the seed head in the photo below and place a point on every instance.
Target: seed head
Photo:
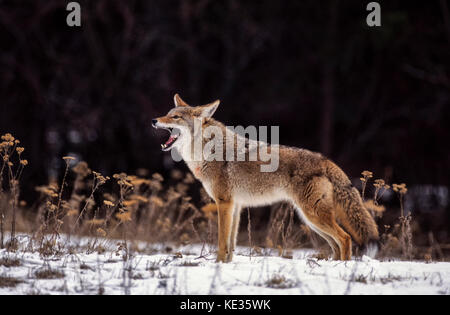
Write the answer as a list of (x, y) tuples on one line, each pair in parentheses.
[(7, 137), (400, 188), (82, 169), (158, 177), (123, 216), (379, 183), (101, 232), (108, 203)]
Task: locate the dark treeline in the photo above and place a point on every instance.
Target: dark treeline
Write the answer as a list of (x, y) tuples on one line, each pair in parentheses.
[(369, 98)]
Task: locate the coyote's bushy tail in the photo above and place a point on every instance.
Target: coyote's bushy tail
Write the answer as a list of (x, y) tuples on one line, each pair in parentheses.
[(351, 213), (354, 217)]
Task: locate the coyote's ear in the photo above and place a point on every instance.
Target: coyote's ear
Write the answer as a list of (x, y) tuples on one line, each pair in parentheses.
[(208, 110), (178, 101)]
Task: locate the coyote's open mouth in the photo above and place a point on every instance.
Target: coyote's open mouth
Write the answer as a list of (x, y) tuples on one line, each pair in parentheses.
[(174, 133)]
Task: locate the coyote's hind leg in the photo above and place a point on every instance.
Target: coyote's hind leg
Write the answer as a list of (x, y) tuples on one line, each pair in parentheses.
[(317, 206), (334, 246)]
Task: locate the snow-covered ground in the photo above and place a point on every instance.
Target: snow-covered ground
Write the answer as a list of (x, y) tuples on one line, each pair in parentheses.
[(183, 271)]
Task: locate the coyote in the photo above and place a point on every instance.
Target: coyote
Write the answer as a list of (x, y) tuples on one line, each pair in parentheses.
[(319, 190)]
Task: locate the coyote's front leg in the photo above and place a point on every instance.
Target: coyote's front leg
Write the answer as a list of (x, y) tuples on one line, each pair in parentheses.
[(225, 215)]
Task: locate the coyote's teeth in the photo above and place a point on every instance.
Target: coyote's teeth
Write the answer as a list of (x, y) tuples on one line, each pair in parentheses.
[(163, 146)]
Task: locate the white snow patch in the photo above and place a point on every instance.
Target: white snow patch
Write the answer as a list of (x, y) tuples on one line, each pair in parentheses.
[(164, 273)]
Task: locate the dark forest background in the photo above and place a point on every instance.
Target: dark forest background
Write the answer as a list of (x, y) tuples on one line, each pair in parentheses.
[(374, 98)]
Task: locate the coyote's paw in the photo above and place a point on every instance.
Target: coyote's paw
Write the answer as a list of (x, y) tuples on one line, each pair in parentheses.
[(224, 257)]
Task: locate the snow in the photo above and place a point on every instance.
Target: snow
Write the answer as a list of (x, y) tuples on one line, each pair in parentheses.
[(187, 270)]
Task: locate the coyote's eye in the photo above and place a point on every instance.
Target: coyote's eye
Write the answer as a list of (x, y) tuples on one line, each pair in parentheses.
[(175, 117)]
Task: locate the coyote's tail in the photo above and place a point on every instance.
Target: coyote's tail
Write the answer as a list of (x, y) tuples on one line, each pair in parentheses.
[(354, 217)]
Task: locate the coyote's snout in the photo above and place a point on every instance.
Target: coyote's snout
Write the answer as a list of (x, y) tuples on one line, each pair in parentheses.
[(320, 191)]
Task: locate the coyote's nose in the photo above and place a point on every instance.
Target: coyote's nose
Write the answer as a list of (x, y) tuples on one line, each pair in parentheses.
[(154, 121)]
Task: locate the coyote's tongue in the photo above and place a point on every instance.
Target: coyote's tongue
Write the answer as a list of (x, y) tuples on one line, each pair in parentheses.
[(171, 139), (169, 142)]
